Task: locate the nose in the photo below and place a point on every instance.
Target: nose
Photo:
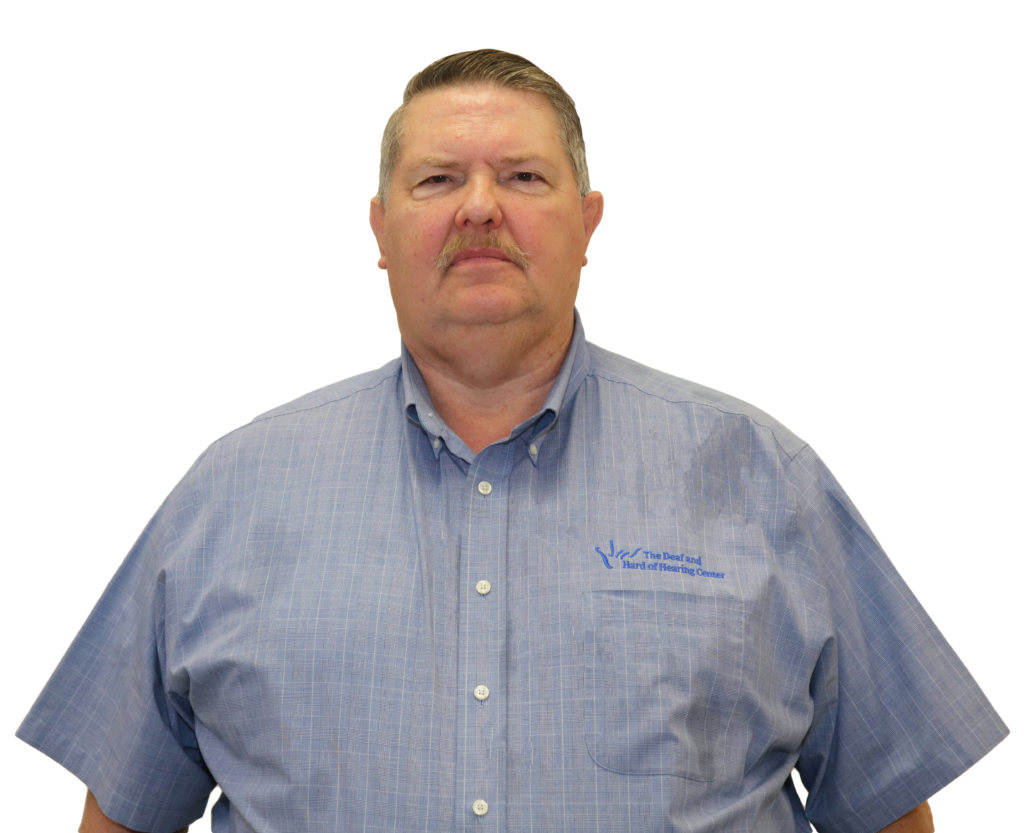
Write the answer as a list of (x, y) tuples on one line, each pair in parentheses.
[(480, 207)]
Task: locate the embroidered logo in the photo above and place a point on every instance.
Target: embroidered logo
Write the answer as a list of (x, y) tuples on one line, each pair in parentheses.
[(614, 554), (662, 562)]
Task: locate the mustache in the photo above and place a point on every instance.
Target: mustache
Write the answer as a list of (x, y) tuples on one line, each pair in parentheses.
[(487, 241)]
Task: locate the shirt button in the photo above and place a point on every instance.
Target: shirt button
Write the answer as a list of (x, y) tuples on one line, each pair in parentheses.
[(481, 692), (483, 487), (533, 449), (437, 443), (480, 807), (483, 587)]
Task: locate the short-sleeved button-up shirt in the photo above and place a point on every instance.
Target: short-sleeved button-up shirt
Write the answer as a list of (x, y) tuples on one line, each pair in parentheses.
[(640, 611)]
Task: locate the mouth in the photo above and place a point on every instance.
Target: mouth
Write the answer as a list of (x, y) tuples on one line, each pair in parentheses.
[(479, 255), (488, 249)]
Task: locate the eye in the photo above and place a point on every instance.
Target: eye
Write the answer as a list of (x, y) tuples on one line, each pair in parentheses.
[(526, 176), (437, 179)]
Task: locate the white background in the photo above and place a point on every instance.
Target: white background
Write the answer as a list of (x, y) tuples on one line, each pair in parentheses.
[(815, 207)]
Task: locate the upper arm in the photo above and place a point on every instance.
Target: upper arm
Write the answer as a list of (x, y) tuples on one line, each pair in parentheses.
[(888, 693), (113, 713), (918, 820), (95, 821)]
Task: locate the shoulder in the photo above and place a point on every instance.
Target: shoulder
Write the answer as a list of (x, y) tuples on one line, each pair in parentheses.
[(373, 381), (688, 400), (345, 405)]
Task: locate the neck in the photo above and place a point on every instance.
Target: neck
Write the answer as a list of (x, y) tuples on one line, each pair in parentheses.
[(485, 388)]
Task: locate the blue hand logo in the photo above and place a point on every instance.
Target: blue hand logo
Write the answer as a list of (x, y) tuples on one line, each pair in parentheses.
[(614, 554)]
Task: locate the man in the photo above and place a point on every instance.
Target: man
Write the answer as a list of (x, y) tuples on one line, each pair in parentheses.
[(509, 580)]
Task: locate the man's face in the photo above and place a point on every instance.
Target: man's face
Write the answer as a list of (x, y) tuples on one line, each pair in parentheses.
[(482, 177)]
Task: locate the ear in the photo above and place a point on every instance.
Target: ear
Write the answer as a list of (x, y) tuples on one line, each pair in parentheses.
[(593, 211), (377, 224)]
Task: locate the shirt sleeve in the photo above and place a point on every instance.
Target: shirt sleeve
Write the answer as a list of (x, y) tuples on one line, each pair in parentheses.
[(110, 714), (897, 716)]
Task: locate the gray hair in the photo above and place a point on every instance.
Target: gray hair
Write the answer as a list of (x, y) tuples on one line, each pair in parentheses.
[(501, 69)]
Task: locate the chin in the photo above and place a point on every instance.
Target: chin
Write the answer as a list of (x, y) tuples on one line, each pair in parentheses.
[(492, 309)]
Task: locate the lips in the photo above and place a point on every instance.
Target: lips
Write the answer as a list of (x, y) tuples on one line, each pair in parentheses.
[(478, 253)]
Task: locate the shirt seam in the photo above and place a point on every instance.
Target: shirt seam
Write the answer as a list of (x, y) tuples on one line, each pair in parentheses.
[(340, 398), (267, 416), (720, 409), (796, 454)]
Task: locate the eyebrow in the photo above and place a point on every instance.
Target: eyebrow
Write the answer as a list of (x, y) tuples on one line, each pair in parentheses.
[(519, 160), (445, 163), (436, 162)]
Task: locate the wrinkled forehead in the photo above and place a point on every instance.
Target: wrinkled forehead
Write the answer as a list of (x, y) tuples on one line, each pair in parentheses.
[(483, 111), (469, 97), (476, 101)]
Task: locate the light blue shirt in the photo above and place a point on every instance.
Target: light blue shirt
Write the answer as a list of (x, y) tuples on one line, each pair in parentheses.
[(638, 612)]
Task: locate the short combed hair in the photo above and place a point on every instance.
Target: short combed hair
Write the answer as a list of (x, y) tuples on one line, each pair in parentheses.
[(501, 69)]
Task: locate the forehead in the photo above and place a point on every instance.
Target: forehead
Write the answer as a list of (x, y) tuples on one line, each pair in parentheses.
[(479, 116)]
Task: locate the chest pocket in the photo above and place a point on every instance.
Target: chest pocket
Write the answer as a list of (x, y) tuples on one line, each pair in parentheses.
[(662, 677)]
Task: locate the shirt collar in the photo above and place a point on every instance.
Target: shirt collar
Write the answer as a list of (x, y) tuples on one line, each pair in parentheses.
[(420, 409)]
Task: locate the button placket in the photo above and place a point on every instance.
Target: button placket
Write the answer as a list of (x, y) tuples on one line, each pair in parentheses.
[(482, 632)]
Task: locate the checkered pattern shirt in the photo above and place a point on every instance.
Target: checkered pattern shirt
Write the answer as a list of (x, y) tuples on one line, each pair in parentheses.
[(640, 611)]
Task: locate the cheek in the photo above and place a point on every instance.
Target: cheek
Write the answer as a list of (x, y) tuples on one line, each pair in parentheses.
[(414, 239), (555, 240)]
